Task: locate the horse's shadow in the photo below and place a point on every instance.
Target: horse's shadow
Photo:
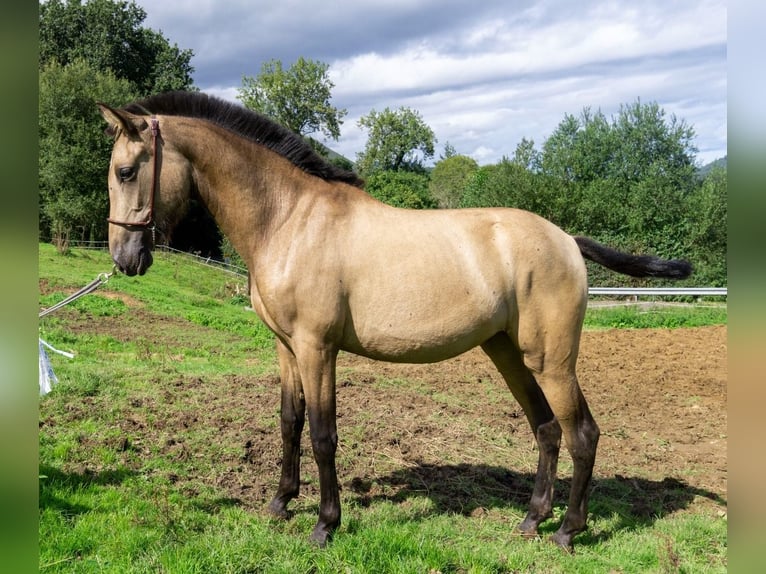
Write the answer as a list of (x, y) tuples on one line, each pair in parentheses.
[(52, 481), (467, 489)]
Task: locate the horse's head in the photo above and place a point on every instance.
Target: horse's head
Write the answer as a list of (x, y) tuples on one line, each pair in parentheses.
[(149, 187)]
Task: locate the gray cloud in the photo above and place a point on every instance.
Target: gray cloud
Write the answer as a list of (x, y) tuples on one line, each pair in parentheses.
[(482, 74)]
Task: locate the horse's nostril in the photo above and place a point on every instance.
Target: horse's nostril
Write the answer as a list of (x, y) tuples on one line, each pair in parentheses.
[(144, 260)]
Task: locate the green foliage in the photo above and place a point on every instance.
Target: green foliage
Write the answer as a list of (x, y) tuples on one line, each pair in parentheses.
[(233, 323), (177, 288), (95, 305), (498, 185), (74, 152), (449, 151), (297, 97), (629, 181), (527, 156), (449, 178), (397, 140), (230, 255), (91, 51), (509, 184), (400, 189), (708, 231), (109, 36), (631, 176)]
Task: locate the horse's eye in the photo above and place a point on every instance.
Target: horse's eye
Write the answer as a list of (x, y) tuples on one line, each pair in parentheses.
[(126, 173)]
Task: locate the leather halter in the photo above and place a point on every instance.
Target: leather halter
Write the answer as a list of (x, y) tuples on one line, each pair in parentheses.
[(148, 223)]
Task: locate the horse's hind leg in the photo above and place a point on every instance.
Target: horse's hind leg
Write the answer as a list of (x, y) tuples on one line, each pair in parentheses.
[(544, 425), (293, 415), (558, 382)]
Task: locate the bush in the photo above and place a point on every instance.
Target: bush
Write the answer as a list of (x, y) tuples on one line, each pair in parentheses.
[(401, 189)]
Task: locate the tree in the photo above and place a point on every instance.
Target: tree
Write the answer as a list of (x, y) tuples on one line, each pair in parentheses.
[(707, 235), (559, 155), (109, 35), (449, 151), (398, 140), (509, 184), (74, 152), (171, 69), (449, 178), (401, 189), (527, 156), (506, 184), (93, 51), (298, 98), (627, 178)]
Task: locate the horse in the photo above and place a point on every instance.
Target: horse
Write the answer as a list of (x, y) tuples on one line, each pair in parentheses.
[(332, 269)]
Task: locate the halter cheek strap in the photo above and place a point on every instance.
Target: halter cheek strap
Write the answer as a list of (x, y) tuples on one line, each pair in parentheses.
[(148, 223)]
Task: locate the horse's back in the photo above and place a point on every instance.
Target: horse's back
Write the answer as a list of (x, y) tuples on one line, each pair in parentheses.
[(426, 285)]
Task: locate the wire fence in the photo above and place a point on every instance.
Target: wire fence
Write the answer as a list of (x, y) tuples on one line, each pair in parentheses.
[(207, 261)]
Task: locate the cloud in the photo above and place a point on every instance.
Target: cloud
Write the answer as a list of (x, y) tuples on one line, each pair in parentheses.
[(482, 75)]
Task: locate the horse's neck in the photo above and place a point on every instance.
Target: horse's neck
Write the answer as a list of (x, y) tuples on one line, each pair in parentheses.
[(242, 184)]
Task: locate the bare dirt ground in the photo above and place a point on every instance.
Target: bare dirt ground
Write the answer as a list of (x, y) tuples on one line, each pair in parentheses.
[(453, 432)]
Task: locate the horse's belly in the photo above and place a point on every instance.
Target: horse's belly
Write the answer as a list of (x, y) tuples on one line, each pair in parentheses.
[(415, 338)]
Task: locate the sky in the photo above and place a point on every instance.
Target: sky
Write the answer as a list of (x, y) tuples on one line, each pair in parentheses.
[(482, 74)]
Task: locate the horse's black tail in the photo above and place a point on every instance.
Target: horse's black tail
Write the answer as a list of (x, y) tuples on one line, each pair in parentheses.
[(633, 265)]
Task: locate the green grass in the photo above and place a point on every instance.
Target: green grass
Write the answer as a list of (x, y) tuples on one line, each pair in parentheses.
[(122, 490), (655, 315)]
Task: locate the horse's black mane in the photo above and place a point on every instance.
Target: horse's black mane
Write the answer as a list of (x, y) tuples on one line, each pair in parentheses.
[(248, 124)]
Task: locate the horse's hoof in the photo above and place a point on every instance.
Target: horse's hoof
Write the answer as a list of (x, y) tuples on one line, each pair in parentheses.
[(527, 529), (278, 510), (563, 541), (320, 537)]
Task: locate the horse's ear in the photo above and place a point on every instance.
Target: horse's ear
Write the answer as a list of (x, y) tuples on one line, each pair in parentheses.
[(120, 120)]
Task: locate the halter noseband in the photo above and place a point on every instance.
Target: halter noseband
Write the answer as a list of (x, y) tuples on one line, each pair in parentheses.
[(148, 223)]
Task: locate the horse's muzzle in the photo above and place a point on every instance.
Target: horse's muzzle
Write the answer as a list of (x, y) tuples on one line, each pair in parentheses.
[(133, 264), (131, 250)]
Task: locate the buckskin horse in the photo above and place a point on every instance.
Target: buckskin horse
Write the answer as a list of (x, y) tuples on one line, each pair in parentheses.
[(332, 269)]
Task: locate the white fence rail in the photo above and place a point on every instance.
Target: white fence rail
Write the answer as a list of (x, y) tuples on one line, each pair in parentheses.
[(661, 291)]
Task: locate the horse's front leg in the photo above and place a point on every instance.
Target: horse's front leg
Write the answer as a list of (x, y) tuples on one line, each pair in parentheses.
[(293, 415), (317, 368)]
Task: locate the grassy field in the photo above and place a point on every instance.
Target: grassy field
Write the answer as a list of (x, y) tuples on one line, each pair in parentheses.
[(123, 490)]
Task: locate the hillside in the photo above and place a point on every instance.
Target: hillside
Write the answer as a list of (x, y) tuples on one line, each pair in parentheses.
[(705, 169)]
